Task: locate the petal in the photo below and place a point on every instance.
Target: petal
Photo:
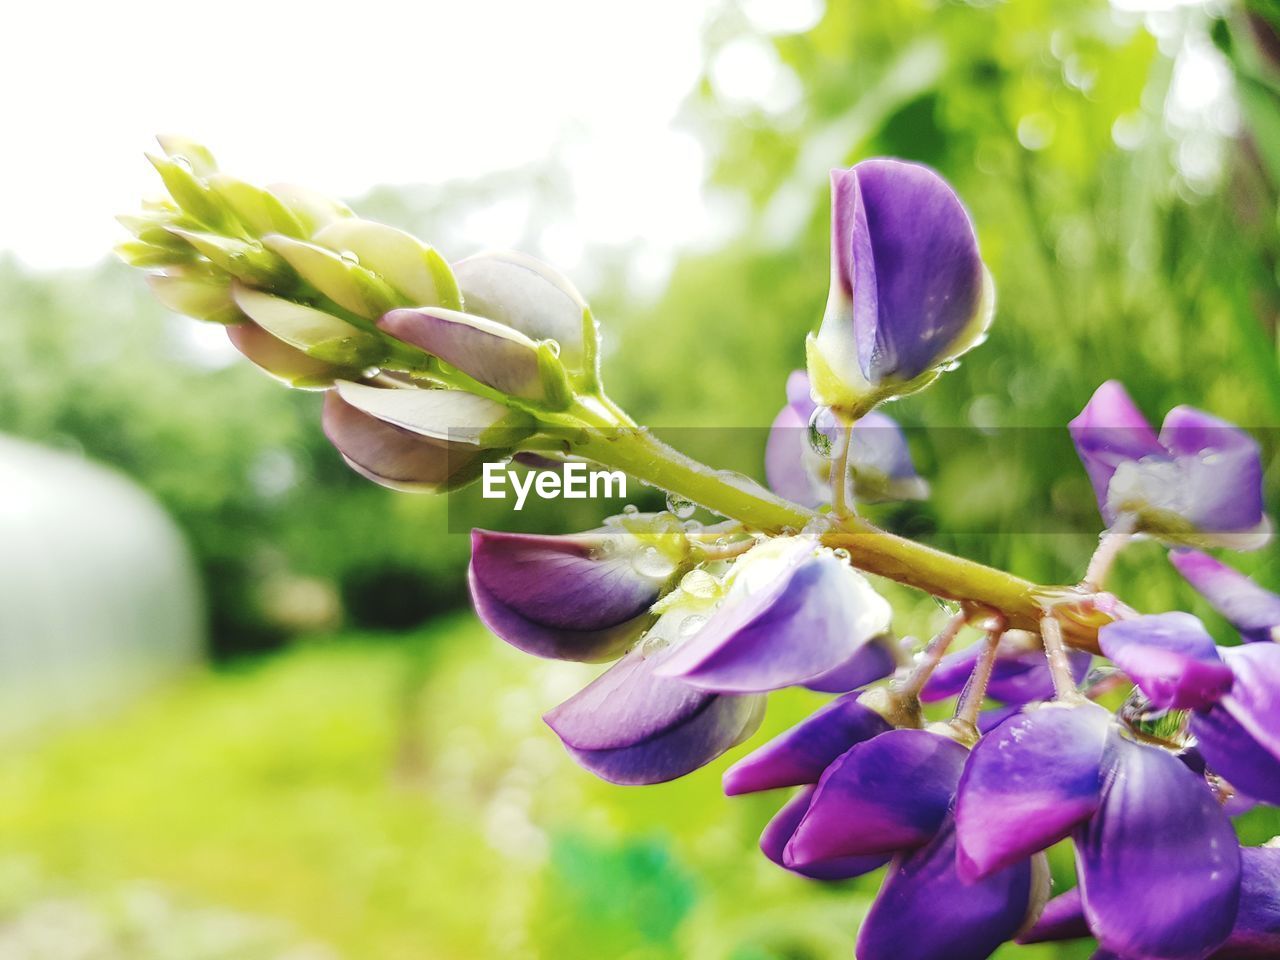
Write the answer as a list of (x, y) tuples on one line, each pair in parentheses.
[(1253, 611), (1221, 467), (887, 794), (1229, 750), (1254, 700), (925, 912), (1111, 430), (1062, 919), (813, 615), (496, 355), (874, 661), (576, 597), (788, 461), (395, 457), (399, 258), (279, 359), (632, 727), (525, 294), (1171, 657), (798, 394), (801, 754), (1257, 931), (1159, 863), (1028, 783), (453, 415), (916, 274), (774, 839)]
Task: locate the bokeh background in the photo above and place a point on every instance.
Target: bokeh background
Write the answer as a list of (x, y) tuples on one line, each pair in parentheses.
[(245, 710)]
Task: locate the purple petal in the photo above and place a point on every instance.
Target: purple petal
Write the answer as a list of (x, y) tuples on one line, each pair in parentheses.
[(1171, 657), (801, 754), (887, 794), (1254, 700), (632, 727), (1028, 784), (497, 356), (1159, 863), (1062, 919), (787, 460), (813, 616), (778, 832), (563, 597), (880, 464), (1020, 675), (1257, 931), (798, 396), (1109, 431), (1230, 751), (393, 456), (1221, 469), (925, 912), (1253, 611), (908, 256), (874, 661)]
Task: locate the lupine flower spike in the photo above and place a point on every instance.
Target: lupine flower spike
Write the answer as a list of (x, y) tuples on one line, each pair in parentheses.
[(432, 369)]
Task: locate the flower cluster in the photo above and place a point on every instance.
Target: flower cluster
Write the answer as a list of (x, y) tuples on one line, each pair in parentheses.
[(432, 369)]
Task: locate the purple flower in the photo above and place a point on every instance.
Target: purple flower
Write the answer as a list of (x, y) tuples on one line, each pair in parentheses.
[(1233, 691), (779, 831), (880, 466), (279, 359), (584, 596), (631, 726), (1158, 861), (1253, 611), (1020, 675), (909, 292), (1254, 936), (792, 614), (1199, 481), (787, 612)]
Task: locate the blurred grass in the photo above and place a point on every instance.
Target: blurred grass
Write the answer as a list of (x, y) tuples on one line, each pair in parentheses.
[(402, 801)]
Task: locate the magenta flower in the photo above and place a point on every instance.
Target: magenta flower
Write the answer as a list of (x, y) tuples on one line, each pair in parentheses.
[(1158, 861), (1199, 481), (1234, 693), (909, 292), (1253, 611), (880, 466)]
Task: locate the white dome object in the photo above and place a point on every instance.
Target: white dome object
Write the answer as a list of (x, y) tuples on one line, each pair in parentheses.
[(99, 596)]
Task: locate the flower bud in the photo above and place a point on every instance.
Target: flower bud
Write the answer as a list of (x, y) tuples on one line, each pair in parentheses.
[(287, 364), (529, 296), (312, 331), (410, 266), (198, 294), (909, 292)]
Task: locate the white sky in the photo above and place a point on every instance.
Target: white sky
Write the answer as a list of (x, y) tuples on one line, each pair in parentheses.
[(344, 96)]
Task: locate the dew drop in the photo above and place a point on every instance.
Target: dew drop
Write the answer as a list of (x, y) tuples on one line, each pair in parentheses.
[(840, 553), (630, 510), (346, 256), (182, 161), (822, 432), (652, 562), (653, 643), (700, 584), (681, 507), (553, 346)]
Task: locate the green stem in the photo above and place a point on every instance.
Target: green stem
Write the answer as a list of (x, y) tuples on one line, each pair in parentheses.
[(1021, 602)]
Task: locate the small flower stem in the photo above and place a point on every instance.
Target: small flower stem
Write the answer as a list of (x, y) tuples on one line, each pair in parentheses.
[(911, 685), (1055, 651), (975, 691), (840, 470), (1020, 601), (1104, 557)]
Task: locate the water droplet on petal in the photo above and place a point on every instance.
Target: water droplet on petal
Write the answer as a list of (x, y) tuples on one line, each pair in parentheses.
[(652, 562), (630, 510), (553, 346), (840, 553), (823, 428), (681, 507), (691, 624), (348, 257), (698, 583)]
